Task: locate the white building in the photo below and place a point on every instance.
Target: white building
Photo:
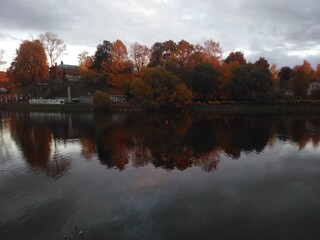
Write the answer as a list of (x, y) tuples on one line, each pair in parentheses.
[(314, 85)]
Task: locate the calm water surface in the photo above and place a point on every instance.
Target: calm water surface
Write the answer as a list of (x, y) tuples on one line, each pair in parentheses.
[(157, 176)]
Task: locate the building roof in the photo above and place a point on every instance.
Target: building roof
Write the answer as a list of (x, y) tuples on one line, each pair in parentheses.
[(3, 90), (315, 80), (67, 66)]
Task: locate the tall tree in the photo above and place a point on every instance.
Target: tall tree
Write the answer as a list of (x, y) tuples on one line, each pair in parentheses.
[(212, 48), (120, 62), (85, 68), (262, 62), (161, 52), (275, 79), (180, 59), (117, 70), (301, 76), (212, 52), (317, 72), (85, 61), (251, 82), (237, 57), (140, 55), (284, 75), (53, 45), (30, 64), (159, 88), (101, 55), (204, 80)]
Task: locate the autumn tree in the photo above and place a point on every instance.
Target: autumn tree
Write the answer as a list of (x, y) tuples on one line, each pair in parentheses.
[(301, 77), (85, 68), (140, 55), (212, 52), (317, 72), (85, 61), (262, 62), (181, 96), (159, 88), (30, 64), (119, 67), (275, 79), (236, 57), (102, 55), (160, 52), (53, 46)]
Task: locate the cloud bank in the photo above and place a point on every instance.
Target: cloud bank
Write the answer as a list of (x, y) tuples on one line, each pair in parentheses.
[(284, 32)]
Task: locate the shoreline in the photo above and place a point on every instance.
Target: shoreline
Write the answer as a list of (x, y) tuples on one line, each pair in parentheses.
[(219, 108)]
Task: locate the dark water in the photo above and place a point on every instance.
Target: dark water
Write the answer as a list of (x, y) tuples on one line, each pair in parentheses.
[(157, 176)]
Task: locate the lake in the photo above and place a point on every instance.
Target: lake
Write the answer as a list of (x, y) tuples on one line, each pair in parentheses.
[(159, 176)]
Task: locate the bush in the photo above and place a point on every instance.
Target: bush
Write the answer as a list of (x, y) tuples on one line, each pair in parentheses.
[(101, 100)]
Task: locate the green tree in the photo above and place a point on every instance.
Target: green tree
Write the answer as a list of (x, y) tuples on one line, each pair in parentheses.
[(204, 80), (251, 82), (101, 100), (284, 75), (101, 55), (30, 64)]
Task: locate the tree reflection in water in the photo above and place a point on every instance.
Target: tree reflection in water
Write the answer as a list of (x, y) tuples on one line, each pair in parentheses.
[(34, 138), (170, 141)]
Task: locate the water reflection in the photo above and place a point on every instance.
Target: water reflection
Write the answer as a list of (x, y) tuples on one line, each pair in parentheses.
[(176, 141)]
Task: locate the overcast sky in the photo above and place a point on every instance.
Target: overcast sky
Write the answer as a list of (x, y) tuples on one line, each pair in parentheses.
[(283, 31)]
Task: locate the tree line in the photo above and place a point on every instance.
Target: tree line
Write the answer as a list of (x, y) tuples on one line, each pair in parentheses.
[(168, 73)]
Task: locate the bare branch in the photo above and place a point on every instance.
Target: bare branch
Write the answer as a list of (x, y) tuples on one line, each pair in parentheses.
[(53, 45)]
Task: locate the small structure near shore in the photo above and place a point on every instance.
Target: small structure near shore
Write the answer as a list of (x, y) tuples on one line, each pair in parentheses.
[(47, 101), (3, 90), (314, 86)]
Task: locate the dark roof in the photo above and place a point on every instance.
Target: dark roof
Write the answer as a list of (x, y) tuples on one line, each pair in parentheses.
[(67, 66)]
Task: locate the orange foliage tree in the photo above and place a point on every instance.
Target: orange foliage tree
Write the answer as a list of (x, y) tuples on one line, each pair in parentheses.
[(119, 67), (302, 75), (140, 55), (30, 64)]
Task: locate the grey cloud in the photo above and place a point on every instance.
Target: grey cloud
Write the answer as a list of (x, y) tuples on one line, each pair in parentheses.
[(279, 26)]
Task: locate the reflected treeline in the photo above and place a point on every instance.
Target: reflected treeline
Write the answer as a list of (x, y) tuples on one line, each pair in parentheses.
[(170, 141), (34, 137)]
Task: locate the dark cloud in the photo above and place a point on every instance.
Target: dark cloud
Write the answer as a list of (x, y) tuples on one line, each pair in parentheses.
[(266, 27)]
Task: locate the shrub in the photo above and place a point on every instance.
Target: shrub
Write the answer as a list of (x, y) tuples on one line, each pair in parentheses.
[(101, 100)]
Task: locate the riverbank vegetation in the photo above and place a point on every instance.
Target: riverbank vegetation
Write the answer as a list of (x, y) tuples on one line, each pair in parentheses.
[(172, 74)]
